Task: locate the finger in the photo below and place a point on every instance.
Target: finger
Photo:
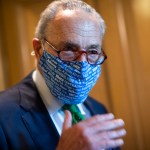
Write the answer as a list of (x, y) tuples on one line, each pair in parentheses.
[(109, 125), (99, 118), (101, 142), (116, 134), (111, 134), (67, 121), (103, 126), (105, 144)]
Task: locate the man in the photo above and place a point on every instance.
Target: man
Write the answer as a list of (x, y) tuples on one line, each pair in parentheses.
[(68, 54)]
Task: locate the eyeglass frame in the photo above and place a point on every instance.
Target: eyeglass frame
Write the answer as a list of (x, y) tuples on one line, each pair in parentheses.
[(81, 52)]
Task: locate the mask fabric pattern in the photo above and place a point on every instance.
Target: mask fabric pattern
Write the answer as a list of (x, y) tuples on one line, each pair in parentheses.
[(69, 82)]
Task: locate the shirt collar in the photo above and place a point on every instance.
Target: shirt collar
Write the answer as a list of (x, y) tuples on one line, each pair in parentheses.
[(51, 103)]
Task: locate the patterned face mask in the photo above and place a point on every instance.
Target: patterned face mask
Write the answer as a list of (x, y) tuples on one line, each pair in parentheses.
[(69, 82)]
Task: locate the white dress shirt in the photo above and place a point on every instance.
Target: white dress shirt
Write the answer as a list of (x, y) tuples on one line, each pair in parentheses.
[(52, 104)]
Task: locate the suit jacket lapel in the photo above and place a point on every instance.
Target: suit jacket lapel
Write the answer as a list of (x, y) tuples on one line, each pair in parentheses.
[(41, 129), (36, 118)]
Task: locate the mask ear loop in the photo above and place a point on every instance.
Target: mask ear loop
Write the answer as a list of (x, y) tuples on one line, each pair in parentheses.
[(42, 44)]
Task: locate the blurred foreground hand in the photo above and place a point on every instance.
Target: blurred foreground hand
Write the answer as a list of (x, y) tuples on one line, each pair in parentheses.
[(96, 133)]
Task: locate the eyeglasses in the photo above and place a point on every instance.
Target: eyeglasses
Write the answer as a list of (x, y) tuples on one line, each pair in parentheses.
[(93, 56)]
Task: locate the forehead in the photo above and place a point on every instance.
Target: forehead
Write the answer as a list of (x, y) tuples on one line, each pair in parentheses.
[(75, 26)]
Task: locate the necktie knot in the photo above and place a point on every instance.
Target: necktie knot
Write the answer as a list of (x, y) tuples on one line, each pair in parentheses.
[(76, 114)]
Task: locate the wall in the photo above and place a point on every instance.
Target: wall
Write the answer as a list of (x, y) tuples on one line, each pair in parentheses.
[(124, 84)]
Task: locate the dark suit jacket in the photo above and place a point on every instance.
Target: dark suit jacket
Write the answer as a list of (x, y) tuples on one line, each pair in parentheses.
[(24, 121)]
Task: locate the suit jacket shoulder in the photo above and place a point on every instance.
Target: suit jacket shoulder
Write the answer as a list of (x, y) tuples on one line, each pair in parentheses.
[(95, 107), (24, 120)]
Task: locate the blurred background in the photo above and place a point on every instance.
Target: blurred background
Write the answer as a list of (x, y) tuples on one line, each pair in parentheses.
[(124, 86)]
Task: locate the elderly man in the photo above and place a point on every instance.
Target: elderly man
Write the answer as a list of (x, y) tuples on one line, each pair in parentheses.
[(50, 109)]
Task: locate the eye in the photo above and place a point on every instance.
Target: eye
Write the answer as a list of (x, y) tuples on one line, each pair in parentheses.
[(93, 51)]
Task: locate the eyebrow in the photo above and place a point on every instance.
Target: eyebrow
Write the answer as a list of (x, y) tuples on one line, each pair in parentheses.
[(68, 43), (96, 46), (71, 44)]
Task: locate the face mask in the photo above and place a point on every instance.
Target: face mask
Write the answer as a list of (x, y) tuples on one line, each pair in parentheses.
[(69, 82)]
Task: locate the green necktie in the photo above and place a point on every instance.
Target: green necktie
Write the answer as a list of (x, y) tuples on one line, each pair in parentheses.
[(76, 115)]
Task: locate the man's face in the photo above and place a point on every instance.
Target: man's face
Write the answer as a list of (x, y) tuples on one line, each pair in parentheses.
[(75, 29)]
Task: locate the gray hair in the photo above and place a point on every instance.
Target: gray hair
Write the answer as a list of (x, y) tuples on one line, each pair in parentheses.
[(50, 12)]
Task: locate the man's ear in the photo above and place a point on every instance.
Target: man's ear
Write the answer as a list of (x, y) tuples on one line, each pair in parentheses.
[(37, 47)]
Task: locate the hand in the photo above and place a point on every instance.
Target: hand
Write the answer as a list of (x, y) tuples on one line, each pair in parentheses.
[(96, 133)]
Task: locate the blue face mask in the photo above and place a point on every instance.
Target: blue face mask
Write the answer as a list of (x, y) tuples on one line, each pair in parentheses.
[(69, 82)]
